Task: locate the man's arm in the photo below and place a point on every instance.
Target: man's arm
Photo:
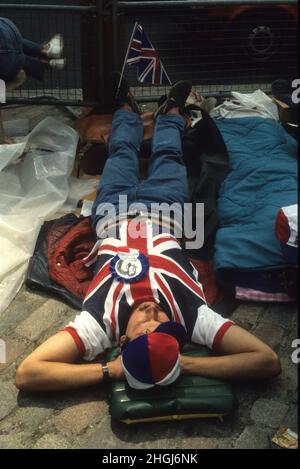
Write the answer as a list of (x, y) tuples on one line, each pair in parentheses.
[(244, 357), (51, 367)]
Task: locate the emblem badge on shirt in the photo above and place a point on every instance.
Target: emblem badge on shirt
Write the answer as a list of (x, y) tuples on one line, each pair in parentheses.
[(129, 267)]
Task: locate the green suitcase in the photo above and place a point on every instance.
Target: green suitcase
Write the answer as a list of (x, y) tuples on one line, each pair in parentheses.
[(190, 397)]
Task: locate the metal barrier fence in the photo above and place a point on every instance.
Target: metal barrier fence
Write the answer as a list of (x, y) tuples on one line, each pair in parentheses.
[(219, 45), (39, 23)]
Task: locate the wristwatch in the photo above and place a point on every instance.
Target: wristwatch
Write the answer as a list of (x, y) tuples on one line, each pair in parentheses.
[(106, 375)]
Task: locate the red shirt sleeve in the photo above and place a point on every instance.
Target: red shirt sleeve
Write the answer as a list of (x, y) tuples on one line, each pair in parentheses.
[(76, 338), (220, 334)]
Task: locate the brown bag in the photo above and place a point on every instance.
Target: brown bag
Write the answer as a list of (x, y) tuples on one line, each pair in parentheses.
[(94, 131), (96, 128)]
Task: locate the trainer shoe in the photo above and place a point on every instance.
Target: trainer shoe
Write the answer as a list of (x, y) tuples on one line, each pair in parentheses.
[(57, 64), (54, 48), (177, 97)]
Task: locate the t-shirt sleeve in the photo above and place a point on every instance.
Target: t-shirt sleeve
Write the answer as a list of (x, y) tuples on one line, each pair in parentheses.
[(210, 328), (88, 335)]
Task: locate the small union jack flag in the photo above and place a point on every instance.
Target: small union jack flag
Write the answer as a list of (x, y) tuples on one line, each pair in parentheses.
[(144, 56)]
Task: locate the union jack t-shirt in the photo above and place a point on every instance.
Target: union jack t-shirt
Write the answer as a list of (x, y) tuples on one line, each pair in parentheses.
[(170, 281)]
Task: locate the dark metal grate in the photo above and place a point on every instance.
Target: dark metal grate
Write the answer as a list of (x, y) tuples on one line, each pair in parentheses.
[(219, 48)]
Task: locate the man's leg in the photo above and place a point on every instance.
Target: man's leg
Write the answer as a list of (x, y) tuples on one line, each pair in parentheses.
[(121, 172), (167, 181), (11, 54), (34, 68), (30, 48)]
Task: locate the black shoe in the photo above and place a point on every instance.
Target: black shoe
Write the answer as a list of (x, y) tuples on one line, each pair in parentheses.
[(117, 95), (177, 97)]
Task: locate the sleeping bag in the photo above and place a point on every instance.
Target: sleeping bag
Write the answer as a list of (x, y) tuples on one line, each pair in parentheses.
[(262, 179)]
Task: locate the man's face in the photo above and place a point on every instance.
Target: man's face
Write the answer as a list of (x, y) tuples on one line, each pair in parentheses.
[(145, 319)]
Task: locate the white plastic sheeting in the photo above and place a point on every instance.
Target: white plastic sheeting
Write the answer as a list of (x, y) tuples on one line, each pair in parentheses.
[(256, 104), (34, 184), (77, 189)]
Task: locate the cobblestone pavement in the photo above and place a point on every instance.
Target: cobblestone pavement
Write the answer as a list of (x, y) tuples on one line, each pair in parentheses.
[(81, 419)]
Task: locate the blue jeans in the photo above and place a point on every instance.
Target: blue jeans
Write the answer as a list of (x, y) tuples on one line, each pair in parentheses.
[(17, 53), (167, 175)]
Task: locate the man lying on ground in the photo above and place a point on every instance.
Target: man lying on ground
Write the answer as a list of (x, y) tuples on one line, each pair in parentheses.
[(145, 295)]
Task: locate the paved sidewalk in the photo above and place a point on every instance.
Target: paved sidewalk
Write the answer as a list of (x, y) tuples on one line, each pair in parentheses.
[(81, 419)]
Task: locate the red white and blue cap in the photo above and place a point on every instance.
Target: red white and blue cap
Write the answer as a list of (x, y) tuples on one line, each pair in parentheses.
[(287, 232), (153, 359)]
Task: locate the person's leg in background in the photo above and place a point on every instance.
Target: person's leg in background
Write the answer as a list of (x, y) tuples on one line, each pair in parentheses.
[(53, 49), (39, 56), (32, 49), (34, 68), (20, 53), (11, 52)]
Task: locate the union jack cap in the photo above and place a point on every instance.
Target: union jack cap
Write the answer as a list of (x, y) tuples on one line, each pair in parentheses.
[(153, 359), (287, 232)]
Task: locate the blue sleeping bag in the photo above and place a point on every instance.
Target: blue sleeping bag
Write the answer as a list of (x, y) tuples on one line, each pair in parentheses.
[(261, 180)]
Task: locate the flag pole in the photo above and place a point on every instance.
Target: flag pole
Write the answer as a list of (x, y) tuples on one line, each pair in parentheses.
[(124, 64)]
